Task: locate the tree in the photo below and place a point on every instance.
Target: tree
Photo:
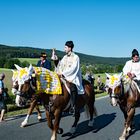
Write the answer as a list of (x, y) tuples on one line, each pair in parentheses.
[(2, 62), (25, 64), (10, 63)]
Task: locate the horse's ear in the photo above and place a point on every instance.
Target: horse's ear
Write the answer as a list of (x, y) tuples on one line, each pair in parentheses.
[(107, 75), (120, 75), (17, 67), (12, 70), (30, 69)]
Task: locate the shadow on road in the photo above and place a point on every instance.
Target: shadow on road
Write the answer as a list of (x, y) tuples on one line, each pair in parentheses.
[(100, 122)]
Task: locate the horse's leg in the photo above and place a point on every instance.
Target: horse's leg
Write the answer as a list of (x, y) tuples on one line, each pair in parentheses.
[(92, 110), (128, 123), (38, 112), (56, 128), (124, 111), (49, 120), (77, 116), (32, 106)]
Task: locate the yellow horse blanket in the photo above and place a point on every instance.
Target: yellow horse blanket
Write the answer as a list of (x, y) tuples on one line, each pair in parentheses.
[(47, 81)]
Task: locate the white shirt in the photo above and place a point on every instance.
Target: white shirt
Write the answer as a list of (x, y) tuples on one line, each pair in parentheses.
[(133, 67), (70, 67)]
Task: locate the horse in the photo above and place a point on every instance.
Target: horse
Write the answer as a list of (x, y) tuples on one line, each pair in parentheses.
[(24, 100), (60, 102), (124, 92)]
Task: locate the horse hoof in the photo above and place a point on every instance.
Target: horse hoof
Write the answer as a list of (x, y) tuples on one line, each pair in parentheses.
[(73, 130), (59, 131), (90, 124), (39, 118), (23, 124), (122, 138)]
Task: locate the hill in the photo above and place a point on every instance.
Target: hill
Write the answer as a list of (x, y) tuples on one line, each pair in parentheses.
[(30, 52)]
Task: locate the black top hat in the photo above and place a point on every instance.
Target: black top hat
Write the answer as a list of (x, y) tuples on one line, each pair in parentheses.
[(43, 55)]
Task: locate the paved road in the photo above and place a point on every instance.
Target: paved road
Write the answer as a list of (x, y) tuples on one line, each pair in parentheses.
[(108, 126)]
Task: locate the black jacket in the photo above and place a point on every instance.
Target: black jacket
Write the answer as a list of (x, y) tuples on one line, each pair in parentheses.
[(46, 64)]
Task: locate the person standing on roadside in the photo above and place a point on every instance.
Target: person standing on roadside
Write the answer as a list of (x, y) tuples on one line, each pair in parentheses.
[(3, 106)]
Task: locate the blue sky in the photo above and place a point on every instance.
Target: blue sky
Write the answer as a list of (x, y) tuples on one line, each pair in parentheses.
[(109, 28)]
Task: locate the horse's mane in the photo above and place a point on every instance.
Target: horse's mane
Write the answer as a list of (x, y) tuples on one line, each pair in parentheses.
[(130, 87), (85, 82)]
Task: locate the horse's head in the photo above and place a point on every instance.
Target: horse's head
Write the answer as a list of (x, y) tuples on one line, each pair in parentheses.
[(22, 84), (114, 87)]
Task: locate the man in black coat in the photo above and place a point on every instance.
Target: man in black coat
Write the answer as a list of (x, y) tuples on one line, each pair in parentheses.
[(44, 62)]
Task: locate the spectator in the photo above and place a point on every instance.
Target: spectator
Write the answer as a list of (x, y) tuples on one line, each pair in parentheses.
[(89, 77), (44, 62), (3, 107), (99, 82)]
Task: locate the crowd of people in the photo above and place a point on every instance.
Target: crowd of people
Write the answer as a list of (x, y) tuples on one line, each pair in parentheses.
[(69, 68)]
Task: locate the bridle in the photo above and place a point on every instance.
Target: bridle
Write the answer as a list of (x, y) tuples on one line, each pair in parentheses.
[(27, 94), (116, 95)]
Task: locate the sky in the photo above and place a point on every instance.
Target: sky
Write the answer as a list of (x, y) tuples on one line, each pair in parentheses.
[(108, 28)]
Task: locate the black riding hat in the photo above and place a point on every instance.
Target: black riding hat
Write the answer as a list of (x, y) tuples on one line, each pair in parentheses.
[(135, 52)]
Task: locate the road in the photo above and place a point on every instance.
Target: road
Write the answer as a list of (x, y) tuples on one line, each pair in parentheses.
[(108, 125)]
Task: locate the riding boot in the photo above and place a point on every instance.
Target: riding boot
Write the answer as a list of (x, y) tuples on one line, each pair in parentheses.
[(73, 90)]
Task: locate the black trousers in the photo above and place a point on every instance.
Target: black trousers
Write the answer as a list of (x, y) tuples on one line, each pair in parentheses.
[(138, 83), (74, 93)]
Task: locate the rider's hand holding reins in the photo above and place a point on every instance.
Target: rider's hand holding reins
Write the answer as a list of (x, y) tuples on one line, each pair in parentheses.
[(131, 75)]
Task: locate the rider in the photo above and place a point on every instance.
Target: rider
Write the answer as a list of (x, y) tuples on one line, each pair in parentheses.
[(69, 68), (44, 62), (132, 67)]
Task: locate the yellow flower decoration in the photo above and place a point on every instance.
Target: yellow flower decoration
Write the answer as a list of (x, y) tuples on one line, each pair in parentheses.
[(22, 72), (113, 79)]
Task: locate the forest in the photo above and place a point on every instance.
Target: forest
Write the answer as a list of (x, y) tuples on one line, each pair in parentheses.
[(10, 55)]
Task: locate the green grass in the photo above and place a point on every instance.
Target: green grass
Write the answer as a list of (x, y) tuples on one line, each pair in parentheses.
[(13, 110), (8, 78), (30, 60), (103, 78)]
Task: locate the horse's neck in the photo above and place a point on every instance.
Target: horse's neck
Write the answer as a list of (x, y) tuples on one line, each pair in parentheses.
[(65, 85), (131, 90), (126, 87), (135, 88)]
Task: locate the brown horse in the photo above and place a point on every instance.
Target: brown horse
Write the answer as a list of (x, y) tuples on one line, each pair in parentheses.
[(61, 102), (25, 100), (124, 91)]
